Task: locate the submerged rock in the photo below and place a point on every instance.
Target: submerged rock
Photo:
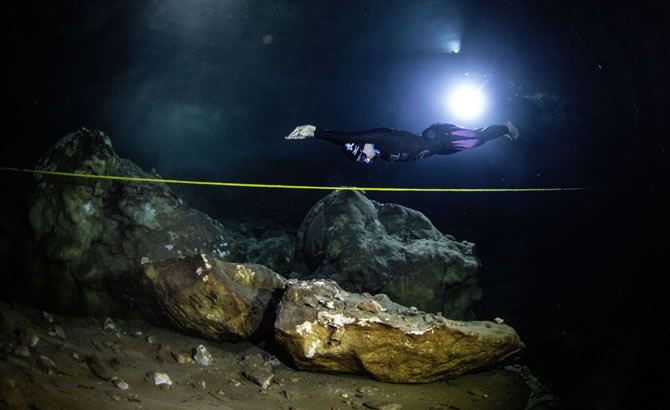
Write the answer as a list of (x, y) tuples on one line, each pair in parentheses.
[(324, 328), (212, 298), (258, 370), (92, 233), (275, 252), (367, 246), (159, 379), (202, 356)]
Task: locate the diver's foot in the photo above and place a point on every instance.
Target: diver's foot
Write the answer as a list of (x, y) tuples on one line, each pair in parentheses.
[(512, 131)]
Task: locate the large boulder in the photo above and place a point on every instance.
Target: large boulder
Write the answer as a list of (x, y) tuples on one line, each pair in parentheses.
[(325, 328), (93, 232), (214, 299), (367, 246), (270, 247)]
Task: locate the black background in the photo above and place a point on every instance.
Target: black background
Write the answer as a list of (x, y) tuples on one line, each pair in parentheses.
[(191, 89)]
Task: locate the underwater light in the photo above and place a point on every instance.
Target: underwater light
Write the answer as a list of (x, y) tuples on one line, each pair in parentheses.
[(453, 46), (466, 102)]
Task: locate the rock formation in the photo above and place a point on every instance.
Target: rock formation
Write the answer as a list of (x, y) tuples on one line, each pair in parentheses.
[(214, 299), (93, 233), (118, 239), (368, 246), (325, 328)]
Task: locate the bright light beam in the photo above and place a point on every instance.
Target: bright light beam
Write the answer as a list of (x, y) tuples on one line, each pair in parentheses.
[(466, 102)]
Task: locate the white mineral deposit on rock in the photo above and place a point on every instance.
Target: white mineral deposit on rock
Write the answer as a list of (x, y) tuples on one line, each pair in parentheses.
[(110, 325), (120, 383), (159, 378), (47, 317), (304, 328), (204, 259), (202, 356), (59, 331)]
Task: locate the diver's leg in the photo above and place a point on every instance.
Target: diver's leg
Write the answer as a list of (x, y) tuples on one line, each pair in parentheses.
[(458, 138), (509, 130)]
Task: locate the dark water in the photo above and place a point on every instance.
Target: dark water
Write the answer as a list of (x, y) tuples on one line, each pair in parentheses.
[(207, 89)]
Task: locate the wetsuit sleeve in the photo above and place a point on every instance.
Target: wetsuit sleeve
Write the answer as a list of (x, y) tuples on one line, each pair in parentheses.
[(342, 137)]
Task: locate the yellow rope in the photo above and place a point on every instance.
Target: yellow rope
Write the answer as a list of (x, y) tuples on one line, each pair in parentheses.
[(282, 186)]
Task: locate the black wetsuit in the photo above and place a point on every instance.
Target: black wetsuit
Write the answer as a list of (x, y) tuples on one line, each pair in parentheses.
[(397, 145)]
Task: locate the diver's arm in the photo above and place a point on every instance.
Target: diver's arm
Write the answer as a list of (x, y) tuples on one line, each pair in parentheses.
[(337, 137), (360, 137)]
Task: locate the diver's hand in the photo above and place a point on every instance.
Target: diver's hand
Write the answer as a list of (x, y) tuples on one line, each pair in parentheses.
[(301, 132)]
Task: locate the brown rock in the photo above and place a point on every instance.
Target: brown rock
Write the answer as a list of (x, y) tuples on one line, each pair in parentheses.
[(46, 365), (28, 337), (11, 394), (96, 367), (396, 344), (258, 370), (375, 405), (215, 299)]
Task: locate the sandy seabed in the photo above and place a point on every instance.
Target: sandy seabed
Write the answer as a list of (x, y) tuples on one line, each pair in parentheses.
[(79, 363)]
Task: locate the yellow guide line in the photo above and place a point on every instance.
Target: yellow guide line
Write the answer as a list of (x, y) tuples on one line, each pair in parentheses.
[(282, 186)]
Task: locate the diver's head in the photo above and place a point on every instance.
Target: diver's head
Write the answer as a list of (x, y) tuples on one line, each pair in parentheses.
[(429, 133)]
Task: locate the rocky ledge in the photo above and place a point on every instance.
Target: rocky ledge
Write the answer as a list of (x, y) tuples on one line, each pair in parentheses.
[(325, 328)]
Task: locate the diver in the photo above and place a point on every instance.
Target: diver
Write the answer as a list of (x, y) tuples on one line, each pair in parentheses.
[(397, 145)]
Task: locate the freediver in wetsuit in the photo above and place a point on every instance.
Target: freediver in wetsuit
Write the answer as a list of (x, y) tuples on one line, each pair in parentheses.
[(397, 145)]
